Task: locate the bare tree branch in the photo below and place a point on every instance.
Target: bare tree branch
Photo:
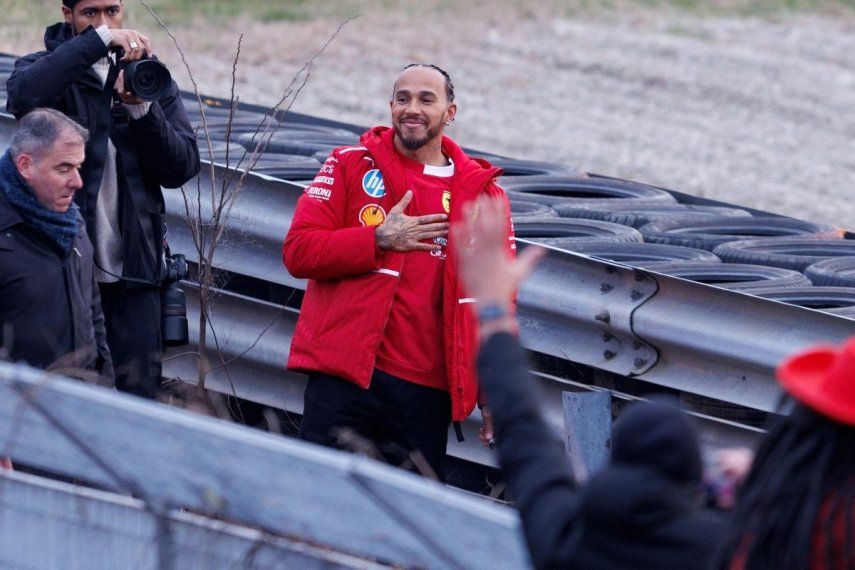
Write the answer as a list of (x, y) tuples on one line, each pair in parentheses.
[(226, 185)]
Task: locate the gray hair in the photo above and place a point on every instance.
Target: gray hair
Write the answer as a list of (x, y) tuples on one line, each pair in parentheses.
[(39, 130)]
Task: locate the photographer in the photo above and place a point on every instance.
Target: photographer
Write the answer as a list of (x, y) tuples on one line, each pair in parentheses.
[(135, 148)]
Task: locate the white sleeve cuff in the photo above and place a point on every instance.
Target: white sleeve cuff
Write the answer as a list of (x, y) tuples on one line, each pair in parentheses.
[(137, 111), (105, 34)]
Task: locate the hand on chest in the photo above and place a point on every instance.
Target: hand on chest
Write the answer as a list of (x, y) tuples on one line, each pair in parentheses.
[(431, 195)]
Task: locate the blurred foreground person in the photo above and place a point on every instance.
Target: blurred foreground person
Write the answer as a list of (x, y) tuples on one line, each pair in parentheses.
[(50, 310), (797, 507), (385, 333), (641, 510)]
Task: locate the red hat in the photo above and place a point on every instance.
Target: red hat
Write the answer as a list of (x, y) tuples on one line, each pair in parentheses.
[(823, 379)]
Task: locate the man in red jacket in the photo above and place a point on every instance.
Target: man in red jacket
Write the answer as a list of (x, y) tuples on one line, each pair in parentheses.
[(386, 334)]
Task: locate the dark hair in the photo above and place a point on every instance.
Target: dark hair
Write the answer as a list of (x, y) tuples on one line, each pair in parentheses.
[(70, 4), (799, 499), (449, 86), (39, 130)]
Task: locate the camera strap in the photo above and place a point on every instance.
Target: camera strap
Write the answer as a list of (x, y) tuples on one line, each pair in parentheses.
[(126, 155)]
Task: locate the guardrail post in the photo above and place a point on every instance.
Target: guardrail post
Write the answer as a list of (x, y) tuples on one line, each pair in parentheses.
[(587, 430)]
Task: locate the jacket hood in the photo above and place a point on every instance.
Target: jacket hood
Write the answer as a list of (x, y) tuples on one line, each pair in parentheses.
[(632, 500), (57, 34), (660, 436), (472, 171), (9, 216)]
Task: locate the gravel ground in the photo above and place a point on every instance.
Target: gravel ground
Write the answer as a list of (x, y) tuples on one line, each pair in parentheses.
[(752, 110)]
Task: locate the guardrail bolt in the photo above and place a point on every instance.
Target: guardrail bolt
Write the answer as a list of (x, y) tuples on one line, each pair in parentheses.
[(606, 288), (603, 318), (636, 295), (607, 337), (640, 362), (608, 354)]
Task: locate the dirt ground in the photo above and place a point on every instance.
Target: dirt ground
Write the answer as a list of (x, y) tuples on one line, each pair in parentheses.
[(756, 110)]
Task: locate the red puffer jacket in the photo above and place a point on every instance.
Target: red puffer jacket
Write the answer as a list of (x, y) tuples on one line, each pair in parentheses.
[(352, 282)]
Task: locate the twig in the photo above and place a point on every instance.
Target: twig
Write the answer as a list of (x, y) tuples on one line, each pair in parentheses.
[(244, 352), (232, 106), (274, 111), (177, 356), (208, 232), (449, 560)]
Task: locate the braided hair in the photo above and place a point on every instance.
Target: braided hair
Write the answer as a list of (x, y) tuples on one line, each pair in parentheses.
[(797, 507), (449, 86)]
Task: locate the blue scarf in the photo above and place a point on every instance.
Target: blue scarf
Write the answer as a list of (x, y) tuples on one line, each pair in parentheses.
[(60, 229)]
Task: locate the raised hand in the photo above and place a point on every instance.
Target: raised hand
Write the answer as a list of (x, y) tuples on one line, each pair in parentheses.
[(487, 271), (401, 232), (135, 44)]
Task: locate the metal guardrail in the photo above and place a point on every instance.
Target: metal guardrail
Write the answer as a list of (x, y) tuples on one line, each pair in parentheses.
[(693, 338), (173, 459), (93, 529), (254, 338), (668, 331)]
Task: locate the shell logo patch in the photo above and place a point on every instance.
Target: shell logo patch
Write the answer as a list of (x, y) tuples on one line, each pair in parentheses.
[(446, 201), (372, 184), (372, 215)]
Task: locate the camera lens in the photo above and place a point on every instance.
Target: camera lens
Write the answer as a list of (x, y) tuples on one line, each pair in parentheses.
[(173, 316), (148, 79)]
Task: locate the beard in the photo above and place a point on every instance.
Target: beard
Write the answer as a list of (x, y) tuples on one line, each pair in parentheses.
[(415, 143)]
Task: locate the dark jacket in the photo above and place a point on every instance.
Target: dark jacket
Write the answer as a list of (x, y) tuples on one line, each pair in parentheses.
[(165, 154), (634, 513), (50, 307)]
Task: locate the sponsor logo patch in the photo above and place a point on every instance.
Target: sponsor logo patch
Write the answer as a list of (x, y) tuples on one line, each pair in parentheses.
[(446, 201), (325, 180), (327, 168), (443, 243), (318, 193), (373, 184), (372, 215)]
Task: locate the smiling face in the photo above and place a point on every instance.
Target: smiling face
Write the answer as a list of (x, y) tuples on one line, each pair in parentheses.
[(420, 107), (94, 13), (55, 176)]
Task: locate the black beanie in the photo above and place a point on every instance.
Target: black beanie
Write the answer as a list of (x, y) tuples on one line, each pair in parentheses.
[(659, 435), (70, 3)]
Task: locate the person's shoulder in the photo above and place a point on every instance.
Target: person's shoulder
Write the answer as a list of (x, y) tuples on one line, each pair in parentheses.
[(350, 157), (350, 152), (31, 57)]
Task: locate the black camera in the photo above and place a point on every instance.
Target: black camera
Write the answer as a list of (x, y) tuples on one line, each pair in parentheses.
[(173, 303), (147, 78)]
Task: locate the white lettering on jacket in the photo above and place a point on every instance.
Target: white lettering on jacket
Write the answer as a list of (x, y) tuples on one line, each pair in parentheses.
[(318, 193)]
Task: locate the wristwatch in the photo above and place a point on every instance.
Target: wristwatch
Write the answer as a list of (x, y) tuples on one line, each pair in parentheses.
[(491, 312)]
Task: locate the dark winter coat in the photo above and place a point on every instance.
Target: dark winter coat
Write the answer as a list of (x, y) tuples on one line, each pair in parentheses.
[(637, 512), (166, 154), (50, 307)]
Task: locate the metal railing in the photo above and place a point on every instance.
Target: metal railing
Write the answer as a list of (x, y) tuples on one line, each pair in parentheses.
[(93, 529), (304, 497), (672, 333)]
